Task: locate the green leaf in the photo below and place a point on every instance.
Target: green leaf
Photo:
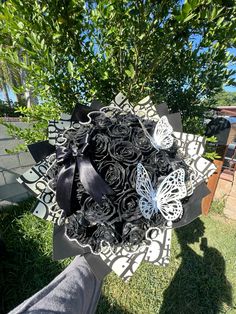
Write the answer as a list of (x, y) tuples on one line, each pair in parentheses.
[(186, 8), (220, 20), (141, 36), (130, 72), (189, 17), (105, 75), (213, 13), (70, 68), (56, 35), (20, 25), (42, 44)]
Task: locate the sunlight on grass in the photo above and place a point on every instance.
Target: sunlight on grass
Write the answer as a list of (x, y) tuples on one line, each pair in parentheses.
[(199, 279)]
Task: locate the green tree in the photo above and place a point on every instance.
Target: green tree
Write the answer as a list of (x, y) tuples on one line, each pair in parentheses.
[(74, 50), (11, 78), (225, 99), (4, 79)]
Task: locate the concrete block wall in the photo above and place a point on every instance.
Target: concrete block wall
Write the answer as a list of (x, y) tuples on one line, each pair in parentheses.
[(11, 166)]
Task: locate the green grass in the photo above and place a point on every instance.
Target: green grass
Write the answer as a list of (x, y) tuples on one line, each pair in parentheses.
[(201, 276), (218, 206)]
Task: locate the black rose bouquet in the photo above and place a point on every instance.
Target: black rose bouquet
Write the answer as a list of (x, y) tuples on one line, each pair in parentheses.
[(115, 180)]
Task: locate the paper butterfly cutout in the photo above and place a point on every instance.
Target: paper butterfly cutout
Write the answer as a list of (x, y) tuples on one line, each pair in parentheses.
[(167, 197), (162, 137)]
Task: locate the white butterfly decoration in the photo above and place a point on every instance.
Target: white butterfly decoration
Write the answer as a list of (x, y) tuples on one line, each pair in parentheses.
[(162, 137), (167, 197)]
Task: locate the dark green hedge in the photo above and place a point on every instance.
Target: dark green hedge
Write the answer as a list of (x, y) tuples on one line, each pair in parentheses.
[(7, 111)]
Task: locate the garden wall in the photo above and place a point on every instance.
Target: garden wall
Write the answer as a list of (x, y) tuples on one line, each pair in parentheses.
[(11, 166)]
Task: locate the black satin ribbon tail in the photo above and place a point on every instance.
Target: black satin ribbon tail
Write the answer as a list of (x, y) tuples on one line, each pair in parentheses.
[(92, 181)]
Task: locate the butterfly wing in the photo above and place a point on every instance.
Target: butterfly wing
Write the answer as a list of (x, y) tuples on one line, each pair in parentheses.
[(170, 192), (163, 134), (145, 190)]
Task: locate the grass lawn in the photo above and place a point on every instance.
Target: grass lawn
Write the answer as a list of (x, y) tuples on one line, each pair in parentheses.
[(201, 276)]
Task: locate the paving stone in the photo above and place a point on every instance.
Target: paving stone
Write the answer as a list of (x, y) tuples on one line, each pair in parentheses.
[(233, 190), (8, 143), (3, 129), (26, 159), (21, 170), (10, 177), (230, 207), (20, 197), (234, 185), (2, 179), (11, 190), (3, 132), (22, 125), (223, 189), (11, 166), (9, 161)]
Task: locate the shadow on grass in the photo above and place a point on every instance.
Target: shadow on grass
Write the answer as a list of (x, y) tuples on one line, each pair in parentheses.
[(105, 306), (199, 285), (25, 267)]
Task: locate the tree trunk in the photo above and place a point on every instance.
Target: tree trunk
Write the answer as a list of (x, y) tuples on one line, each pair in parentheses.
[(28, 98), (20, 99)]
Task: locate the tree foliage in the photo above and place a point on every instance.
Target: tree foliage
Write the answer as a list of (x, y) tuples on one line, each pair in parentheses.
[(75, 50), (225, 99)]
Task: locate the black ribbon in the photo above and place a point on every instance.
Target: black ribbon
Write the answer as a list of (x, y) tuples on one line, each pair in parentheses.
[(76, 160), (65, 178)]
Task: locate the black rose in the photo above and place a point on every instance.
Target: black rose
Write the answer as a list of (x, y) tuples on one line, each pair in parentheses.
[(99, 214), (149, 125), (119, 130), (76, 135), (124, 151), (81, 132), (129, 120), (78, 228), (99, 146), (131, 175), (174, 150), (102, 121), (140, 140), (160, 161), (103, 234), (113, 173), (133, 233), (128, 204), (177, 163), (157, 220)]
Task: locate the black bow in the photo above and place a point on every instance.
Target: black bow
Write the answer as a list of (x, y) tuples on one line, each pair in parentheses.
[(77, 160)]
